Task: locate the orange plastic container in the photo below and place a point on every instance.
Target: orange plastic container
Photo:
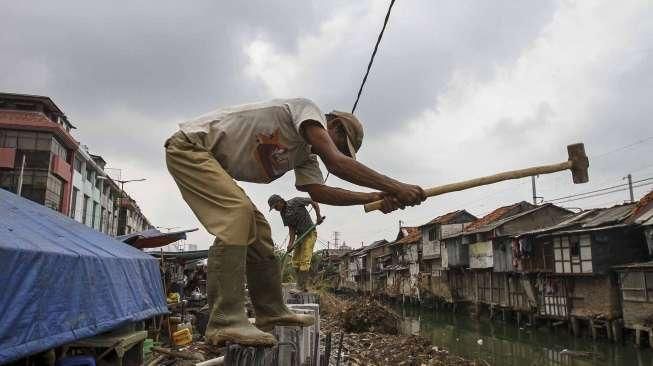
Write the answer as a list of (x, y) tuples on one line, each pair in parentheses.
[(182, 337)]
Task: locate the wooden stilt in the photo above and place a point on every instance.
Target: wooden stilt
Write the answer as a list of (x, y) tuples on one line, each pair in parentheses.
[(575, 327), (617, 330)]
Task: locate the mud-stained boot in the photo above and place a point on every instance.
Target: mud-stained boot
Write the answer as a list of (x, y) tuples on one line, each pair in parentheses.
[(228, 321), (211, 285), (264, 283), (302, 279)]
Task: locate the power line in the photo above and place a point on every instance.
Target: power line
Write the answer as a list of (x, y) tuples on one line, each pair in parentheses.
[(596, 190), (604, 193), (622, 147), (376, 47)]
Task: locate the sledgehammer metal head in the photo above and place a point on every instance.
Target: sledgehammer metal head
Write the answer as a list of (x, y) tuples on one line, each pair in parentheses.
[(579, 163)]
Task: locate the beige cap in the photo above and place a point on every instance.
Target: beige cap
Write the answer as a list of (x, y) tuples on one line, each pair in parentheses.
[(354, 130)]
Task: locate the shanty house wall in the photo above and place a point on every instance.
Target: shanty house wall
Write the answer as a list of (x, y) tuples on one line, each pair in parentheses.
[(617, 246), (502, 254), (462, 285), (636, 291), (595, 295), (541, 259), (436, 285), (457, 253)]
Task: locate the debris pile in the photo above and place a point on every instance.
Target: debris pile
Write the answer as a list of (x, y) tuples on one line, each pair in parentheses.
[(369, 316), (370, 348)]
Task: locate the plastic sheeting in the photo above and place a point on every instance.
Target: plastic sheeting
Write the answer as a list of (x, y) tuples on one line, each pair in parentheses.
[(61, 281)]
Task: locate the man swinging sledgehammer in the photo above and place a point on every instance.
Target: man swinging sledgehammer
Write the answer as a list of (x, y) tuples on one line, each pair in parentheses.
[(300, 226), (259, 143)]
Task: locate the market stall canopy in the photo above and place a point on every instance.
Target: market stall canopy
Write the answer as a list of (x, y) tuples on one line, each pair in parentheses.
[(183, 256), (62, 281), (153, 238)]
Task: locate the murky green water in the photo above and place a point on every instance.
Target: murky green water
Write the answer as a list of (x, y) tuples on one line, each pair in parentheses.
[(504, 344)]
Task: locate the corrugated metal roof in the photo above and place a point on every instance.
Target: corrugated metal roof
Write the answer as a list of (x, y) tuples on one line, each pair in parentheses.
[(498, 214), (367, 248), (643, 212), (609, 216), (448, 217), (639, 265)]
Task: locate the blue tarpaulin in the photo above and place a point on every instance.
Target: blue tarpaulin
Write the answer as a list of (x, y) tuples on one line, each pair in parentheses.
[(61, 281)]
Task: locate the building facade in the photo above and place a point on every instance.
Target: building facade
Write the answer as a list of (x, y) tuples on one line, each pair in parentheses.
[(40, 159), (35, 139)]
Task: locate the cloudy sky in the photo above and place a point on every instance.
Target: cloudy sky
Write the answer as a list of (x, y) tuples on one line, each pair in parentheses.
[(459, 89)]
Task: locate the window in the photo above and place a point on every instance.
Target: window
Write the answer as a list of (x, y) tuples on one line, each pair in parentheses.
[(73, 204), (572, 254), (94, 219), (78, 165), (632, 286), (59, 150), (85, 210), (433, 234), (89, 174), (54, 193), (98, 184), (574, 246)]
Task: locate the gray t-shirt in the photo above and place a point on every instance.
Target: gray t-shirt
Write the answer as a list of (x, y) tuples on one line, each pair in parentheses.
[(260, 142), (296, 216)]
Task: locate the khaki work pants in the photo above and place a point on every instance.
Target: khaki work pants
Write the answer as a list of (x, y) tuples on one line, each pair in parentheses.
[(301, 258), (219, 203)]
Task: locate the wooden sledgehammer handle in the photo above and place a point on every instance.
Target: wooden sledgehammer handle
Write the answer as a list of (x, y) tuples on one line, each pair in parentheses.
[(466, 184)]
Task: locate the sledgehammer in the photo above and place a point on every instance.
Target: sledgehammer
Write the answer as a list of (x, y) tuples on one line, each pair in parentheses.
[(578, 163)]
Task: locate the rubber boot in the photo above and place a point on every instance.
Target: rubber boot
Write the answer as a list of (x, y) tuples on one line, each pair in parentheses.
[(211, 286), (228, 321), (264, 283), (302, 278)]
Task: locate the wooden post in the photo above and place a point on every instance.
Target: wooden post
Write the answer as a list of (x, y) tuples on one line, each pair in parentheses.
[(617, 330), (593, 329), (519, 319), (575, 327)]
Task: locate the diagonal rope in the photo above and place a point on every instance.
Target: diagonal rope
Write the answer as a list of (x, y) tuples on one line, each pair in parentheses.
[(376, 47)]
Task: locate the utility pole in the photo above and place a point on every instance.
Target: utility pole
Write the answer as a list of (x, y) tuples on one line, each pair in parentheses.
[(534, 190), (630, 187), (336, 239), (19, 189)]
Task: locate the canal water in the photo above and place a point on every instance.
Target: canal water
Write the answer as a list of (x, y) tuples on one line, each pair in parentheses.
[(501, 344)]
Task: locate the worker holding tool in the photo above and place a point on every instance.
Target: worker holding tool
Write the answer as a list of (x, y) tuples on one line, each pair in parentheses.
[(259, 143), (295, 216)]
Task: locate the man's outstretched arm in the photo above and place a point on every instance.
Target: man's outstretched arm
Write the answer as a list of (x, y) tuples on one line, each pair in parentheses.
[(342, 197), (355, 172)]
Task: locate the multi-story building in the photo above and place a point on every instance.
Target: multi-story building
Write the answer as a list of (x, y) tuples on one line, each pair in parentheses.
[(94, 198), (35, 139), (40, 159)]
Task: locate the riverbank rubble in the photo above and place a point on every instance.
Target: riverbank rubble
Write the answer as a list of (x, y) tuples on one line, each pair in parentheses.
[(371, 337)]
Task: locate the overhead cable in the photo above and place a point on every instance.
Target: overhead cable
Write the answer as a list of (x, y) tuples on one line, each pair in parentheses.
[(376, 47)]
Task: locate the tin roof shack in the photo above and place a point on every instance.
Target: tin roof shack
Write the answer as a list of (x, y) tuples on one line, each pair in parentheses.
[(329, 264), (349, 271), (433, 231), (380, 257), (492, 245), (434, 281), (584, 248), (360, 268), (403, 274), (455, 249)]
